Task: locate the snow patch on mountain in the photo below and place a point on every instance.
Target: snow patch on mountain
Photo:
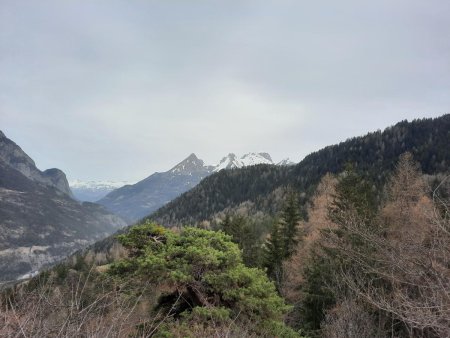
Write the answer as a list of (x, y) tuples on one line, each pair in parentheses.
[(228, 162), (286, 162), (97, 185), (231, 161), (256, 158)]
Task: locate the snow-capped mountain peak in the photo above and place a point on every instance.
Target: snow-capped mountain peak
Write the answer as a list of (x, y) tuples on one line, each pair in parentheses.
[(232, 161), (256, 158), (189, 165), (228, 162)]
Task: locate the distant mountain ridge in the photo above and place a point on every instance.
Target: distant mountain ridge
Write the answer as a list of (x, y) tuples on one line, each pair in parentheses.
[(132, 202), (40, 223), (91, 191)]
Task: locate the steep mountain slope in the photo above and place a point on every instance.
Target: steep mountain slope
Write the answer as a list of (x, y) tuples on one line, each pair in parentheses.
[(40, 224), (16, 158), (374, 155), (132, 202), (92, 191)]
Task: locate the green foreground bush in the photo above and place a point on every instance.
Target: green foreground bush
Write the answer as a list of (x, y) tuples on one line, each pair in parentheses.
[(207, 287)]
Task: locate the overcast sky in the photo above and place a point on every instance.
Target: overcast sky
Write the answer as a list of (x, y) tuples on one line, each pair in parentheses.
[(120, 89)]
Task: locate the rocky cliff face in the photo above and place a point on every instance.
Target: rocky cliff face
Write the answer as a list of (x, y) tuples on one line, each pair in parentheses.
[(16, 158), (39, 222), (57, 178)]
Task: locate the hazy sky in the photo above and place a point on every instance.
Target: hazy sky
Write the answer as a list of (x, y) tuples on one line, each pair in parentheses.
[(120, 89)]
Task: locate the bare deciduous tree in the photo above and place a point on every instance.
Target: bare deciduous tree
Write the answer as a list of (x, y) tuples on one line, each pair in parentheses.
[(350, 319), (408, 272), (82, 308)]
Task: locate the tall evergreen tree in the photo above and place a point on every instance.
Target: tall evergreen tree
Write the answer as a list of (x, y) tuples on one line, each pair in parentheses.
[(283, 239), (234, 226), (353, 195), (290, 219), (274, 254)]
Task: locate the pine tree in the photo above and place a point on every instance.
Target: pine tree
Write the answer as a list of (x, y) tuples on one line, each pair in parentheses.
[(245, 234), (290, 219), (283, 239), (353, 195), (206, 283), (274, 254), (233, 227)]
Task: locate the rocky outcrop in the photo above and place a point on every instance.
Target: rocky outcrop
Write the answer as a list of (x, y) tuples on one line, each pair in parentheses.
[(16, 158)]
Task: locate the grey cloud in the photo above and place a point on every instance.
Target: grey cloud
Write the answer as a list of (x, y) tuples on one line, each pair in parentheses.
[(119, 89)]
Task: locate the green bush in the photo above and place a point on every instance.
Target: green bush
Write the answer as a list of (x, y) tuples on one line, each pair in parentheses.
[(208, 282)]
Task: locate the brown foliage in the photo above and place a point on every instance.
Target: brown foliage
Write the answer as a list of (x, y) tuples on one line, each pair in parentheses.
[(408, 208), (400, 269), (317, 221), (408, 273)]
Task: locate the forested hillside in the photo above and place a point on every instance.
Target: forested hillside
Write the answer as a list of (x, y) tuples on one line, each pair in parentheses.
[(376, 154), (373, 155), (223, 190)]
